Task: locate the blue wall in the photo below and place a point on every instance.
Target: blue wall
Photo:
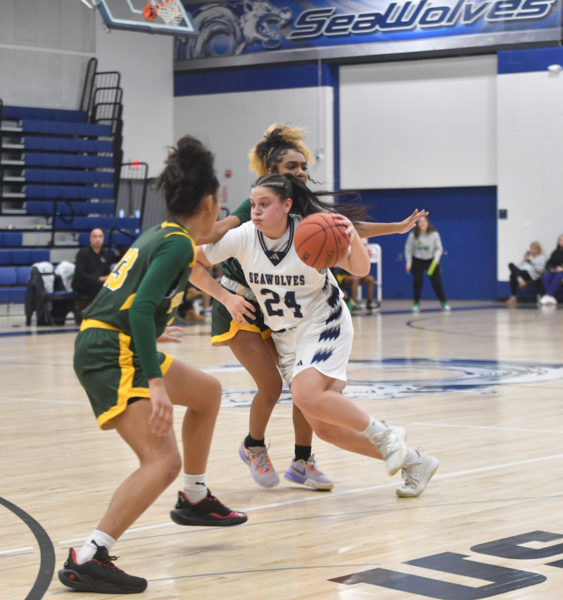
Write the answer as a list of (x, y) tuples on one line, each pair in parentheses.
[(465, 217), (467, 221)]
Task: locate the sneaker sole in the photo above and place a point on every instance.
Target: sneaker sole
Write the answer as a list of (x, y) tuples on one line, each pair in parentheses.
[(402, 494), (181, 519), (323, 487), (101, 588)]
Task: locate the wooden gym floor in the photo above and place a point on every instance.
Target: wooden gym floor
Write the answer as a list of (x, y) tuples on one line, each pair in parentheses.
[(480, 388)]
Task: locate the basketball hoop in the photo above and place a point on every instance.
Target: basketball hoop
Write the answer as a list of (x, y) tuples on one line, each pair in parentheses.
[(168, 10)]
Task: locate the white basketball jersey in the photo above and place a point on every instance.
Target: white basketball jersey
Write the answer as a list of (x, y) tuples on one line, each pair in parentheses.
[(287, 290)]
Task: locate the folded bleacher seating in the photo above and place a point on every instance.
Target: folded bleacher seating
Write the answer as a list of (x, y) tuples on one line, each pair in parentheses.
[(23, 256), (11, 238), (13, 283), (58, 170)]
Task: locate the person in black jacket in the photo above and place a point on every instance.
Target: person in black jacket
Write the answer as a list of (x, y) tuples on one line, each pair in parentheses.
[(93, 265), (553, 276)]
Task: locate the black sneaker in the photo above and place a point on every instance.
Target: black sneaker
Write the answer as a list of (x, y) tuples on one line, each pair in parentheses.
[(99, 575), (209, 512)]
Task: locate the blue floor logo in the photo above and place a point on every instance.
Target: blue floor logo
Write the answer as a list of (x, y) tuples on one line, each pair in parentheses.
[(395, 378)]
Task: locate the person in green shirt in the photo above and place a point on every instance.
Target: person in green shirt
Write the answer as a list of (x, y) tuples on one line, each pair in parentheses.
[(132, 386), (281, 150)]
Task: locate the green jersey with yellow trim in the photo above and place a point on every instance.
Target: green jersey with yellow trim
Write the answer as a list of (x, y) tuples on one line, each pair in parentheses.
[(231, 267), (142, 293)]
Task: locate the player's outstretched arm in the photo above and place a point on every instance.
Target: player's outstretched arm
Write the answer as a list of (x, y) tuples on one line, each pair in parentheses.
[(220, 229), (366, 229), (356, 260), (237, 306)]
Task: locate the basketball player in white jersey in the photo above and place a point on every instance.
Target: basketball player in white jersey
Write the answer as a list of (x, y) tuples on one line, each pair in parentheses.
[(311, 327)]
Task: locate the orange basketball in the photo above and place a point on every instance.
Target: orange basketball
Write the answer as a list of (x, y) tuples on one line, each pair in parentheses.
[(319, 241)]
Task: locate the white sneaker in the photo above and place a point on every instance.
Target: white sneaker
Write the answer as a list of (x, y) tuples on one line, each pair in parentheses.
[(417, 475), (547, 299), (391, 443)]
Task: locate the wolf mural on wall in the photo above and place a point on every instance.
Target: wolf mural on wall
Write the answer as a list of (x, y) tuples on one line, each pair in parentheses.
[(227, 29)]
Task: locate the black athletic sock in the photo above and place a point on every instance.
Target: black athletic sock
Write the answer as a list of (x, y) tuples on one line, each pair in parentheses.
[(302, 452), (249, 442)]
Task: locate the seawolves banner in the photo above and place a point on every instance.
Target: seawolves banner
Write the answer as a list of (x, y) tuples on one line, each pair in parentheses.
[(244, 32)]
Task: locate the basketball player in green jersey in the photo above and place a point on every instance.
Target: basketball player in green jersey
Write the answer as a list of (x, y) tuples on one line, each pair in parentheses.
[(132, 386), (282, 150)]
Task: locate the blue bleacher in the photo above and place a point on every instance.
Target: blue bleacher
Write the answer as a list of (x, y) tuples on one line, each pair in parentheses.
[(67, 144), (23, 256), (65, 128), (49, 159), (80, 208), (67, 176), (22, 274), (89, 223), (13, 283), (53, 114), (11, 238), (8, 276), (57, 160), (71, 192)]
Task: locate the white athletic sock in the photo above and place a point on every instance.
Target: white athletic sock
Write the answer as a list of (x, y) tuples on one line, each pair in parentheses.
[(195, 487), (374, 428), (87, 551)]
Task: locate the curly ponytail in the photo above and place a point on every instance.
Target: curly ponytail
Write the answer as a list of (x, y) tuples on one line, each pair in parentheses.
[(188, 177), (278, 139)]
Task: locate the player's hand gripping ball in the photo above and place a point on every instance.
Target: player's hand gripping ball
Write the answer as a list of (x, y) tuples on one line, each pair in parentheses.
[(321, 240)]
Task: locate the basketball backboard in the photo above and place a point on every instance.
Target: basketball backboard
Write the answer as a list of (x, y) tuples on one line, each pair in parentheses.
[(128, 14)]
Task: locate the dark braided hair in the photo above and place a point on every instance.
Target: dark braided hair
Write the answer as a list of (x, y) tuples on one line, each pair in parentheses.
[(188, 177), (306, 202)]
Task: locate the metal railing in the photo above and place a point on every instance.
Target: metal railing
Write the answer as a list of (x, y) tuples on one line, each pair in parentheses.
[(96, 80), (102, 99), (132, 197)]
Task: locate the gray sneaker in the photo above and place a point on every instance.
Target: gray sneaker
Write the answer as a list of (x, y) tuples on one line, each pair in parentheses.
[(307, 473), (391, 443), (417, 475), (261, 468)]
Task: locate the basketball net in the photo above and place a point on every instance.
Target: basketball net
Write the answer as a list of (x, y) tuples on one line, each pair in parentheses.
[(168, 10)]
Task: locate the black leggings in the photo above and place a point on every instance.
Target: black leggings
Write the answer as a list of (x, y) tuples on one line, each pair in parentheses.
[(515, 272), (419, 268)]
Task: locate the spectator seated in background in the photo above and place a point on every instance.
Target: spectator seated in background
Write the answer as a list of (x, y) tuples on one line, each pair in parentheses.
[(92, 266), (529, 270), (553, 275), (349, 284)]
